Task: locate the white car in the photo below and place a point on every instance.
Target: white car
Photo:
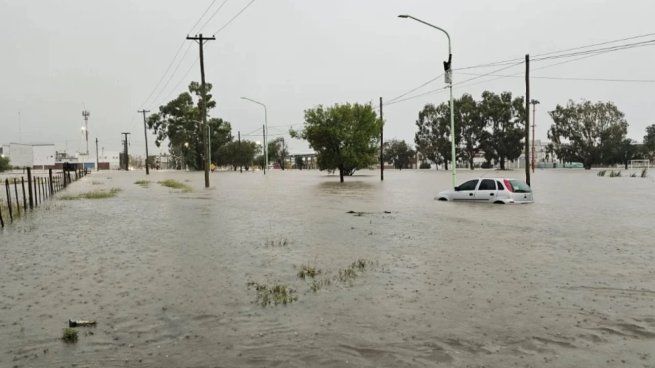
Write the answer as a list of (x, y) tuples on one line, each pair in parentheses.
[(494, 190)]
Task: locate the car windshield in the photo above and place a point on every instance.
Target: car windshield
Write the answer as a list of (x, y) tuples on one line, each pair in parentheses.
[(520, 186)]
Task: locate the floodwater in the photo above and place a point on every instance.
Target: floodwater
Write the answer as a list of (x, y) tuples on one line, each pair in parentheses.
[(568, 281)]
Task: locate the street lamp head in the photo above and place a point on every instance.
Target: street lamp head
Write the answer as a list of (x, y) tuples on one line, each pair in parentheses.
[(403, 16)]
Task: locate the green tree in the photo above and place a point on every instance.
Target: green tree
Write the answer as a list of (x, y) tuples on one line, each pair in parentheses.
[(398, 153), (649, 142), (345, 137), (180, 122), (237, 154), (433, 136), (505, 117), (472, 127), (260, 161), (277, 151), (4, 164), (587, 132)]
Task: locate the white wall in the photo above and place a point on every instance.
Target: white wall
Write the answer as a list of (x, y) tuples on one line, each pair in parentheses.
[(20, 155), (43, 155)]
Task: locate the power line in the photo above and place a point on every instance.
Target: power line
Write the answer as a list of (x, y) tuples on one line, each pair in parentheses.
[(213, 14), (203, 14), (415, 88), (574, 78), (234, 17)]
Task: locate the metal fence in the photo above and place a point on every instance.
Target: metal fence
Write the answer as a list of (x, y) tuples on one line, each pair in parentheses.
[(24, 194)]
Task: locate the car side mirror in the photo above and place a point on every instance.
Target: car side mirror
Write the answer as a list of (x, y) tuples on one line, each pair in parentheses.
[(456, 189)]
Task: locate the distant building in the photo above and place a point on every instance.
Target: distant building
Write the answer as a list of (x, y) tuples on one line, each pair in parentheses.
[(33, 155)]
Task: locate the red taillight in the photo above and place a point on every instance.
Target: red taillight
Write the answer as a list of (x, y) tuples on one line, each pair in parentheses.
[(508, 185)]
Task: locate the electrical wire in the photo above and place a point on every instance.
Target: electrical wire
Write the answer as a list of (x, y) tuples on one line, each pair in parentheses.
[(234, 17), (416, 88), (213, 14)]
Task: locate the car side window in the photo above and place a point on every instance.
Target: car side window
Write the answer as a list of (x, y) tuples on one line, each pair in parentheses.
[(469, 185), (487, 184), (500, 185)]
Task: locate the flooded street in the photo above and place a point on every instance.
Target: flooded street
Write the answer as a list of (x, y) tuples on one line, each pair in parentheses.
[(568, 281)]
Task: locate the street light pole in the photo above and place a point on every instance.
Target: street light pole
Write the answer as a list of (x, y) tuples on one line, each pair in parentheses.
[(265, 130), (449, 80)]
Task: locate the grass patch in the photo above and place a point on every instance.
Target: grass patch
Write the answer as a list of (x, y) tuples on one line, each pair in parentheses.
[(273, 295), (70, 335), (615, 174), (143, 183), (277, 243), (353, 271), (174, 184), (308, 271), (95, 194), (318, 284)]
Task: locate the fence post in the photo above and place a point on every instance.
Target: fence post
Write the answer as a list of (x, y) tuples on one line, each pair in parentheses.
[(50, 180), (22, 184), (11, 215), (29, 186), (36, 197), (16, 193)]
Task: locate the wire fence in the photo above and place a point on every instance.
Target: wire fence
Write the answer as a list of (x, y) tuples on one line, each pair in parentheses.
[(23, 194)]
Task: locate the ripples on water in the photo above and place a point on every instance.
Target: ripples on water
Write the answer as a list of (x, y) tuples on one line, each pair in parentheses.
[(566, 281)]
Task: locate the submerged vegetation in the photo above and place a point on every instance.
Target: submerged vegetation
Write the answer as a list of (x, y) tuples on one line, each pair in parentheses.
[(174, 184), (69, 336), (307, 271), (277, 242), (94, 194), (143, 183), (617, 174), (274, 294)]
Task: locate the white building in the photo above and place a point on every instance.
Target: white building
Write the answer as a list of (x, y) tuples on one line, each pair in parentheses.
[(35, 155)]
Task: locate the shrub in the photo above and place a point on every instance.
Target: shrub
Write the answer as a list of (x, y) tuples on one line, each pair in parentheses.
[(70, 335)]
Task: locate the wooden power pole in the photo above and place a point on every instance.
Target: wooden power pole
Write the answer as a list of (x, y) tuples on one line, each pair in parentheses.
[(126, 159), (203, 108), (527, 119), (381, 142), (145, 134)]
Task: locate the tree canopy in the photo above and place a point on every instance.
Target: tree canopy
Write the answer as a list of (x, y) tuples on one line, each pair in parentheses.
[(588, 132), (345, 137), (238, 154), (649, 141), (493, 125), (277, 151), (4, 164), (180, 123), (399, 154)]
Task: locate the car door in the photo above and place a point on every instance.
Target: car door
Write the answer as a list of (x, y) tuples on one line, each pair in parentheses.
[(466, 191), (487, 190)]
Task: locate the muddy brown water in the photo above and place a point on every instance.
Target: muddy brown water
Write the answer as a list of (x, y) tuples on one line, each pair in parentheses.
[(568, 281)]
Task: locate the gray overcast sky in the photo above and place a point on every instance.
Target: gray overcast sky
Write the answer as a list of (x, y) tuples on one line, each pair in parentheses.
[(293, 54)]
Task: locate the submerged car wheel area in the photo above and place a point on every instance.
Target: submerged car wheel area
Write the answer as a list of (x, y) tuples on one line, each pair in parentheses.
[(492, 190)]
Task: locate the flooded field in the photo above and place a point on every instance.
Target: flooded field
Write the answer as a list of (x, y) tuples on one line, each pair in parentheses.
[(186, 278)]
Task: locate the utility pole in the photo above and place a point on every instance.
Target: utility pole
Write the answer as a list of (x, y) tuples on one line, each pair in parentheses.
[(97, 157), (126, 158), (205, 131), (534, 122), (86, 114), (240, 153), (145, 134), (381, 142), (527, 118)]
